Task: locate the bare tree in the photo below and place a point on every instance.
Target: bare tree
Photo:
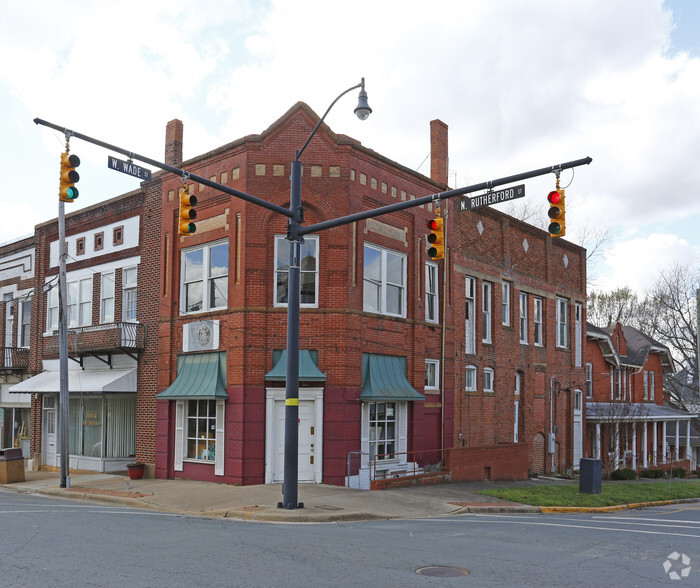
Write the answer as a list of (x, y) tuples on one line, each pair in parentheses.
[(620, 305)]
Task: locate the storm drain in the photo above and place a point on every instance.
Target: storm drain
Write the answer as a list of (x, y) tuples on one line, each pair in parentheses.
[(442, 571)]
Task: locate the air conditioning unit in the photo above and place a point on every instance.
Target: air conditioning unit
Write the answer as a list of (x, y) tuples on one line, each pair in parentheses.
[(200, 336)]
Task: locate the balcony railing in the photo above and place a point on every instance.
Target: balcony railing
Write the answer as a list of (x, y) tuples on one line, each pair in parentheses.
[(14, 358), (107, 337)]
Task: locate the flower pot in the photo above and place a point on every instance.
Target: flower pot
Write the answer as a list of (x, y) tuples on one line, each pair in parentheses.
[(135, 470)]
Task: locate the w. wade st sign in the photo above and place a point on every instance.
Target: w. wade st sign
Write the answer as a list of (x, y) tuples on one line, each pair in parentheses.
[(126, 167), (492, 197)]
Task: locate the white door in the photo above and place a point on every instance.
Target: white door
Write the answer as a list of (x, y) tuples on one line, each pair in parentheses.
[(578, 428), (49, 428), (307, 437)]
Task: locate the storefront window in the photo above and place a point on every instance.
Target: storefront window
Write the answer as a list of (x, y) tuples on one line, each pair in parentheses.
[(201, 429), (102, 426), (15, 427)]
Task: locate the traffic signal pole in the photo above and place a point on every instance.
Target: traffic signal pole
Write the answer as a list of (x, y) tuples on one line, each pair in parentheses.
[(295, 233)]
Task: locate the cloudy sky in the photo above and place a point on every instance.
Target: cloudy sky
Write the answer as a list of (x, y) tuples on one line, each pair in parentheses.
[(522, 85)]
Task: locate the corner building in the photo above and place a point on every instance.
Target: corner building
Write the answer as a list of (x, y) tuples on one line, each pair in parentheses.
[(399, 363)]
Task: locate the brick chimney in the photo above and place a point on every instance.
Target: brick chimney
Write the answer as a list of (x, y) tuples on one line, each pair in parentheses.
[(438, 151), (173, 143)]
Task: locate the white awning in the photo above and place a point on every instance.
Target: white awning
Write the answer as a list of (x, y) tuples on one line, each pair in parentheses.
[(80, 382)]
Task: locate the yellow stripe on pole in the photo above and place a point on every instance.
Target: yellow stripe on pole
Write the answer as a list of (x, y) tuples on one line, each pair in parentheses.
[(291, 402)]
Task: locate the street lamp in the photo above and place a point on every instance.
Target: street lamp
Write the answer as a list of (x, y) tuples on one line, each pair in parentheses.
[(295, 220)]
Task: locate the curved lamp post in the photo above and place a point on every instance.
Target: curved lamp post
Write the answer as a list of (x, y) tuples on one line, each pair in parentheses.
[(296, 218)]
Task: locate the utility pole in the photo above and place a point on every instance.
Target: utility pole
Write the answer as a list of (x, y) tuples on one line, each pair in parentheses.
[(64, 414)]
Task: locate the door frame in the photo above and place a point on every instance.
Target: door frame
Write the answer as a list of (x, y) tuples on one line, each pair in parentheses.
[(577, 432), (274, 437)]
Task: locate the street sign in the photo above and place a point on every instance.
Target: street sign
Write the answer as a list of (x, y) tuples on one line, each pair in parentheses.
[(492, 197), (126, 167)]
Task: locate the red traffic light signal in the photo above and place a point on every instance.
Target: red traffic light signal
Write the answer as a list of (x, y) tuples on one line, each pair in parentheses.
[(557, 213), (436, 239)]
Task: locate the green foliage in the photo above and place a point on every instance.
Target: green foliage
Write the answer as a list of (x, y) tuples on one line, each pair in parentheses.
[(612, 493), (652, 474), (623, 474), (677, 473)]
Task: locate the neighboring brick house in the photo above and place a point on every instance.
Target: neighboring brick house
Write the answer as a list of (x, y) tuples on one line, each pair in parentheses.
[(17, 290), (627, 422), (112, 348), (391, 369)]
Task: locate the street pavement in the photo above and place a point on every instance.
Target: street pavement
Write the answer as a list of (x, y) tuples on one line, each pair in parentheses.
[(322, 503)]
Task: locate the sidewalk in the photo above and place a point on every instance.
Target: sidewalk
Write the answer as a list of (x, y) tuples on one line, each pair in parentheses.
[(322, 503)]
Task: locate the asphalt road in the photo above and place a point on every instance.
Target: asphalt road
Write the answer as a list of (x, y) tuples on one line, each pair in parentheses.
[(51, 542)]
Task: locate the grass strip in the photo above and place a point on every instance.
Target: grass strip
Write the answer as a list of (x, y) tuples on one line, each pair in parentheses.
[(612, 493)]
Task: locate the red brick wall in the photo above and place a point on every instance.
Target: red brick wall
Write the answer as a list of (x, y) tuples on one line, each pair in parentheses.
[(506, 461)]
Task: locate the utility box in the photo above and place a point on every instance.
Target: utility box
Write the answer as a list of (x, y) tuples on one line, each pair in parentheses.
[(11, 466), (590, 476)]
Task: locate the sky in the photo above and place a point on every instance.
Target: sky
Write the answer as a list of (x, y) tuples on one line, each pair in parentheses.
[(521, 85)]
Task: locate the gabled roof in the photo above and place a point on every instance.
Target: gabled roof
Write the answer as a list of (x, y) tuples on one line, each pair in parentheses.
[(639, 346), (605, 342)]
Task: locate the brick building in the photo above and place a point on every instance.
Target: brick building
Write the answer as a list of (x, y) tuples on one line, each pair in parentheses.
[(401, 357), (112, 362), (17, 290), (628, 424)]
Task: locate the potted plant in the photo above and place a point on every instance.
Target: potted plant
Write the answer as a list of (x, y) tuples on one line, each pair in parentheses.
[(135, 470)]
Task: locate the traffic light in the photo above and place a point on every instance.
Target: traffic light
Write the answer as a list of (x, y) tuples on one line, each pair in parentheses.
[(557, 225), (435, 239), (187, 213), (67, 191)]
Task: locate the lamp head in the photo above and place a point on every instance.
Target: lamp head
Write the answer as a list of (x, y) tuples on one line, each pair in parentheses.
[(363, 110)]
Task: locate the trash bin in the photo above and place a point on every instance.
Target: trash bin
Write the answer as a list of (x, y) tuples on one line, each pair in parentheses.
[(11, 466), (590, 476)]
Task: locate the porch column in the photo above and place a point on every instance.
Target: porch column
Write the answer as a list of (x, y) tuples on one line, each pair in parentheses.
[(687, 440), (597, 440), (645, 445), (617, 446), (655, 455), (664, 444), (676, 451), (634, 446)]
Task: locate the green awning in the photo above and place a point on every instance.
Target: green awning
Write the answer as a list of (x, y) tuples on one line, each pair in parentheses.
[(201, 376), (384, 379), (308, 367)]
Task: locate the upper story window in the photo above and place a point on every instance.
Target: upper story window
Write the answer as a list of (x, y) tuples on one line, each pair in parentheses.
[(80, 303), (52, 308), (470, 383), (431, 292), (469, 311), (432, 374), (129, 289), (25, 318), (646, 385), (204, 278), (308, 271), (486, 312), (562, 323), (537, 322), (107, 298), (651, 385), (384, 281), (488, 380), (505, 304), (589, 380), (523, 318)]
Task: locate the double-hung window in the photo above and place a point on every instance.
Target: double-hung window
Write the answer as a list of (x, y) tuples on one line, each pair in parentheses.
[(431, 292), (537, 322), (382, 430), (107, 298), (80, 303), (488, 379), (646, 385), (470, 384), (308, 271), (204, 278), (523, 318), (651, 385), (384, 290), (486, 312), (505, 304), (469, 319), (25, 318), (562, 323), (129, 289), (52, 307), (432, 374), (589, 380)]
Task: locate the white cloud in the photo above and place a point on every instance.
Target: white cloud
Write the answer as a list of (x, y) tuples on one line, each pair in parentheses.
[(638, 262)]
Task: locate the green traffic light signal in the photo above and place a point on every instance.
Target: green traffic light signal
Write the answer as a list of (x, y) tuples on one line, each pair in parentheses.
[(67, 191)]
